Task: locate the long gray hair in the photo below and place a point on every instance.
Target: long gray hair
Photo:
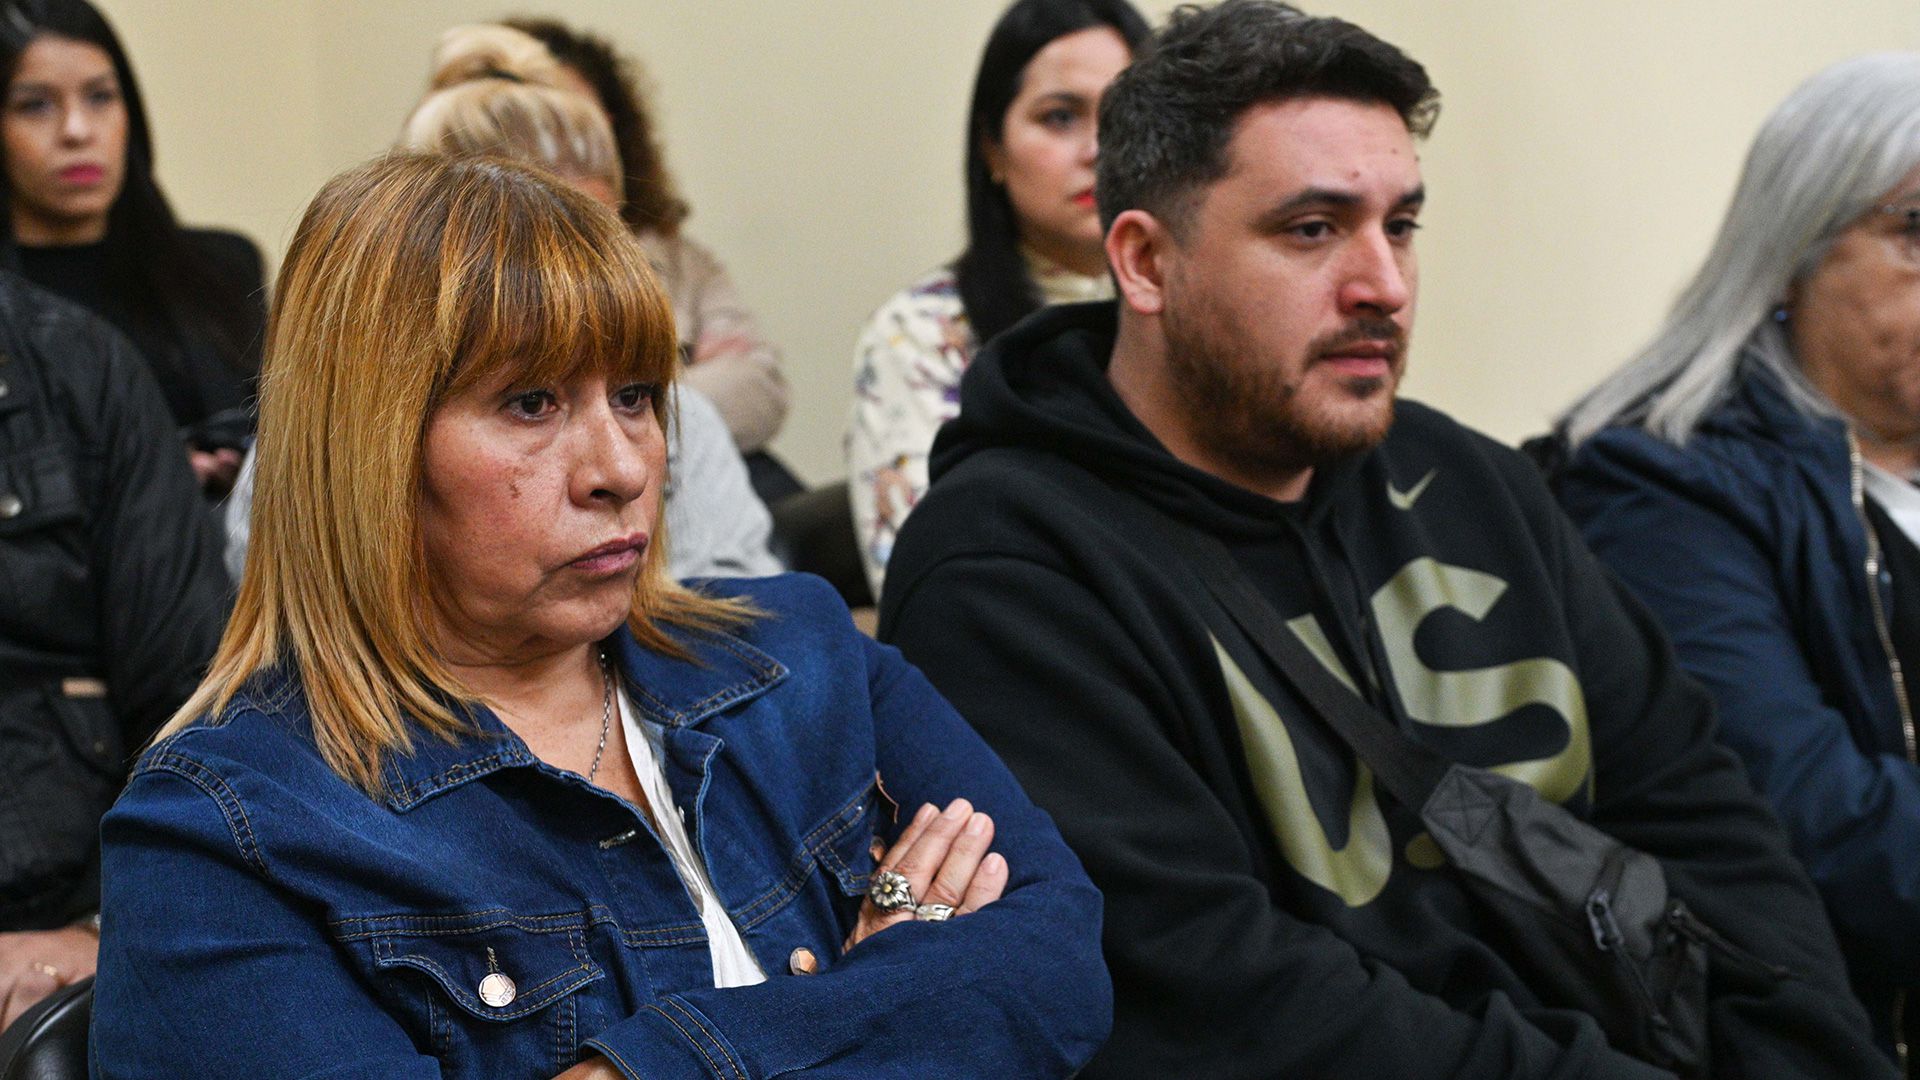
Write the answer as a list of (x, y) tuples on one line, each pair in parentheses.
[(1832, 149)]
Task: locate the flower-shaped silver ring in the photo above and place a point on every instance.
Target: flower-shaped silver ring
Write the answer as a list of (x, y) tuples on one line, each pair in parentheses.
[(890, 891)]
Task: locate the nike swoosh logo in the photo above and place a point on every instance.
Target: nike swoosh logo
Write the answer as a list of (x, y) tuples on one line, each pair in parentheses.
[(1404, 500)]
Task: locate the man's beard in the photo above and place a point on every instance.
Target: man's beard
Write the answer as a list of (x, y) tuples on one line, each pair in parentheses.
[(1251, 413)]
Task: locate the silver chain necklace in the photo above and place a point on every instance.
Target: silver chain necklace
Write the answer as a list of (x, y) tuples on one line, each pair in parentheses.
[(606, 715)]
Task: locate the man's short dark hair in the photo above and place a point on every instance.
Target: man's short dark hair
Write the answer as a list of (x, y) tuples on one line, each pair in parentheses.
[(1166, 121)]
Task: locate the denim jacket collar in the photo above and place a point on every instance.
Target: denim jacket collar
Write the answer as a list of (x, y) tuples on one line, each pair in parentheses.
[(723, 670)]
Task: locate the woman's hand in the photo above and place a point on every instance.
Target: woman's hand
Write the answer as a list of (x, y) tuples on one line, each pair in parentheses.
[(594, 1068), (214, 469), (35, 963), (944, 857)]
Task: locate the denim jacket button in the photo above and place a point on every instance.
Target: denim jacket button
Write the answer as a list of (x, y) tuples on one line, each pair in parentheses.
[(498, 991), (803, 962)]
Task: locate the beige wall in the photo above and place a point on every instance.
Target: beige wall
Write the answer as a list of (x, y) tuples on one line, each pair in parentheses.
[(1584, 154)]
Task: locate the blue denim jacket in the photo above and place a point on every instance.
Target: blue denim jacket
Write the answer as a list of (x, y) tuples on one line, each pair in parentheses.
[(262, 917)]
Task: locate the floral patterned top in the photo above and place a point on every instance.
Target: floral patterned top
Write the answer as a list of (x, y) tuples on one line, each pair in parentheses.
[(906, 383)]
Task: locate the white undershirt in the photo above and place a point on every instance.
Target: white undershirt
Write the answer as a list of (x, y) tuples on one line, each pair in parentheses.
[(1899, 498), (733, 962)]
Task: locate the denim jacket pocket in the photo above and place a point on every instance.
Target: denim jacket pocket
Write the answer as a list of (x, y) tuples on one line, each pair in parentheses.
[(843, 844), (488, 993), (841, 848)]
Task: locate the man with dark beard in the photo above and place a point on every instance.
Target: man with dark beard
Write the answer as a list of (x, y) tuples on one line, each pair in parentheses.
[(1272, 910)]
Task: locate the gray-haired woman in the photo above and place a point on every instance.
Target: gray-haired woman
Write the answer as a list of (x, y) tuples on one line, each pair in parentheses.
[(1750, 474)]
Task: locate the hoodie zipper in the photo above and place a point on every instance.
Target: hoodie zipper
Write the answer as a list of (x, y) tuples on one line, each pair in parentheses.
[(1859, 485)]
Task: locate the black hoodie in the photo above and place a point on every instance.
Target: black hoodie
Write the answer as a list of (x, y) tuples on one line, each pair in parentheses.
[(1269, 912)]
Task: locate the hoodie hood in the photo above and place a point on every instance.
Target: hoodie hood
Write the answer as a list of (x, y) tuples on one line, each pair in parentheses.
[(1043, 385)]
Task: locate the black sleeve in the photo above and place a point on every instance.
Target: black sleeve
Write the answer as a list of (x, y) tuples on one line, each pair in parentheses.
[(236, 265), (155, 551), (1665, 786), (1212, 977)]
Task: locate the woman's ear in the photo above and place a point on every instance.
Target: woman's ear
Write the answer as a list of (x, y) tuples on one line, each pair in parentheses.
[(1138, 245)]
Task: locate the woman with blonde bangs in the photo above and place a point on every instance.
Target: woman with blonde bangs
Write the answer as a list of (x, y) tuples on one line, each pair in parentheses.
[(474, 789), (727, 356), (493, 91)]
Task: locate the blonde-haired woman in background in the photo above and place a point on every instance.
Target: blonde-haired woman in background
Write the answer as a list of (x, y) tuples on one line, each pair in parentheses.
[(495, 90), (474, 789), (728, 358)]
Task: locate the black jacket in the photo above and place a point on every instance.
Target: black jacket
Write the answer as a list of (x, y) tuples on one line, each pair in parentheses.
[(114, 595), (1269, 912)]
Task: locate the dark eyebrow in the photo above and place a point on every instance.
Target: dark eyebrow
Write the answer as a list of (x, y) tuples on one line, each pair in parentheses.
[(1329, 198), (1312, 197), (105, 78), (1067, 96)]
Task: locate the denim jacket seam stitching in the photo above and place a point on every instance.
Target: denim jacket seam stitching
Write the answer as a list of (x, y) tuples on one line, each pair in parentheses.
[(694, 711), (800, 868), (609, 1051), (677, 934), (384, 955), (215, 788), (529, 1003), (712, 1066), (763, 671), (567, 1033), (756, 659), (397, 925), (694, 1019), (414, 792), (854, 811)]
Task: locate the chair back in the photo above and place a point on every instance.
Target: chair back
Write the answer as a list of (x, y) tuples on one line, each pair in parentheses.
[(49, 1041), (813, 532)]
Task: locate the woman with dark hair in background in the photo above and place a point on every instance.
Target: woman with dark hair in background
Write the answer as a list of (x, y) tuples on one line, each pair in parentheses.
[(727, 359), (86, 220), (1033, 238)]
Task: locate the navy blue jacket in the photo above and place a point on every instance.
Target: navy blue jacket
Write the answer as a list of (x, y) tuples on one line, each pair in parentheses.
[(263, 917), (1751, 547)]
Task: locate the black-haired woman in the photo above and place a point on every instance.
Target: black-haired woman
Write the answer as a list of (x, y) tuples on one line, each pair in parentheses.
[(1033, 238), (87, 221)]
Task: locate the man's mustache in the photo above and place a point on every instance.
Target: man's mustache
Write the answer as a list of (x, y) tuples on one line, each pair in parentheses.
[(1367, 330)]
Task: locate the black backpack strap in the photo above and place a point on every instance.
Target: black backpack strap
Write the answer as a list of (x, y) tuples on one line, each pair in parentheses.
[(1409, 771)]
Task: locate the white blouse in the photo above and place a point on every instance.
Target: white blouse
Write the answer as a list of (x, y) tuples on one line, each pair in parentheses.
[(733, 962)]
